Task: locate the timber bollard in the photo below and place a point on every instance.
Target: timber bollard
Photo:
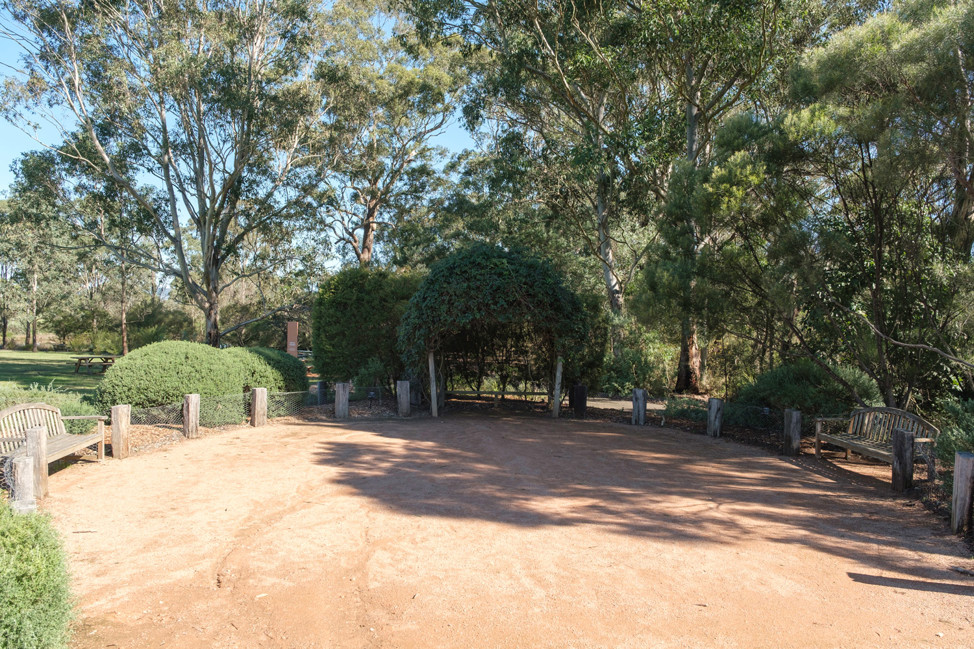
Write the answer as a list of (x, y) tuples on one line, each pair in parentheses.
[(580, 401), (341, 400), (23, 500), (37, 452), (191, 416), (556, 402), (121, 419), (402, 398), (793, 432), (902, 460), (960, 510), (639, 397), (258, 407), (715, 417)]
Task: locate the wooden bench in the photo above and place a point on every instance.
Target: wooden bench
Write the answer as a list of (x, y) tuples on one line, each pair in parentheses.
[(870, 433), (17, 420)]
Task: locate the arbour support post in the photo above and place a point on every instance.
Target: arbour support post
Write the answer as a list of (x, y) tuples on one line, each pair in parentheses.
[(434, 397), (556, 399)]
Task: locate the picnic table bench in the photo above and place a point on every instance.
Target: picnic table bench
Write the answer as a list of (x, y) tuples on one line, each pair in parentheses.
[(15, 421), (870, 433), (106, 360)]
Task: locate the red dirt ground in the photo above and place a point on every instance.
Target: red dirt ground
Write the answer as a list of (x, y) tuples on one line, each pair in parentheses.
[(499, 531)]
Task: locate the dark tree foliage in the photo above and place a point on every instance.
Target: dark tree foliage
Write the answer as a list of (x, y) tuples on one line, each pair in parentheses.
[(354, 323), (489, 307)]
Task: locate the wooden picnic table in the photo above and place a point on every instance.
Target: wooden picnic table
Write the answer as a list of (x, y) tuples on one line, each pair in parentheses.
[(106, 360)]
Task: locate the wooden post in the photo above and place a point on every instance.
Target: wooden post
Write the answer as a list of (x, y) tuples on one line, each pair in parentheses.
[(37, 451), (581, 400), (292, 338), (715, 417), (433, 396), (638, 407), (341, 400), (191, 416), (902, 460), (960, 513), (121, 418), (402, 397), (793, 432), (322, 392), (23, 500), (556, 403), (258, 407)]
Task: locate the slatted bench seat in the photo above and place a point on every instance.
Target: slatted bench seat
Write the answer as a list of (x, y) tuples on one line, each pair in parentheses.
[(870, 433), (17, 420)]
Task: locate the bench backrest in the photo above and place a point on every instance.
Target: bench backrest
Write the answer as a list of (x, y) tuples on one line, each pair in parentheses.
[(877, 424), (15, 420)]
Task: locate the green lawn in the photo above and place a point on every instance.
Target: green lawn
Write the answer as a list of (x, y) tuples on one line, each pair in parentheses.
[(25, 368)]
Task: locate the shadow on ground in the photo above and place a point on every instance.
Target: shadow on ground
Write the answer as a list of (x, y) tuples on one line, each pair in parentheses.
[(646, 483)]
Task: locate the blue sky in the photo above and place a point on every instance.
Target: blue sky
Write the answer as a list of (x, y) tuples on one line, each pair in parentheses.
[(14, 142)]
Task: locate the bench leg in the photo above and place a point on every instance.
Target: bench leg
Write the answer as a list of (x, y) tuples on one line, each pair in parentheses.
[(847, 451), (101, 441)]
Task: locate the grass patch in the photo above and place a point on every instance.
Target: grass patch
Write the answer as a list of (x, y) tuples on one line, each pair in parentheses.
[(43, 368)]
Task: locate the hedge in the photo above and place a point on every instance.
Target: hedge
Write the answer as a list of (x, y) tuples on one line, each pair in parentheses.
[(270, 368), (35, 599)]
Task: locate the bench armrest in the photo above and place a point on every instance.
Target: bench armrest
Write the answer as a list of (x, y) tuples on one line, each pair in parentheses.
[(98, 417), (924, 440), (824, 419)]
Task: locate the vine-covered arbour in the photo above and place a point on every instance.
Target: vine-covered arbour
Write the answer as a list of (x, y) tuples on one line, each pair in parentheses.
[(486, 310)]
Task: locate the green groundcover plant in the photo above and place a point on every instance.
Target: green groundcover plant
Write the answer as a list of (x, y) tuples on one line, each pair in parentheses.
[(35, 599)]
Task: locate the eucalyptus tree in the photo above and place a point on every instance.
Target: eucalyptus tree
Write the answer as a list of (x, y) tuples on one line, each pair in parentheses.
[(391, 97), (206, 114), (562, 80)]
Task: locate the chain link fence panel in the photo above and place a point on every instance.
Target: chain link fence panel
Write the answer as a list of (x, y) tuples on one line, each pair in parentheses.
[(228, 410), (289, 404)]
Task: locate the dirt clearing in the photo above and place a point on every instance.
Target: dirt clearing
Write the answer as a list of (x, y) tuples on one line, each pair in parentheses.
[(494, 531)]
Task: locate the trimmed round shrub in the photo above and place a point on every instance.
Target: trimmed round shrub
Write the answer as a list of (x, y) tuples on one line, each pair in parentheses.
[(35, 599), (162, 373), (270, 368), (805, 386)]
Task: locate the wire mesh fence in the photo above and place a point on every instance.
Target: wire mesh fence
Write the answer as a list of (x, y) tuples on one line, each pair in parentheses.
[(758, 425), (170, 415), (289, 404), (227, 410)]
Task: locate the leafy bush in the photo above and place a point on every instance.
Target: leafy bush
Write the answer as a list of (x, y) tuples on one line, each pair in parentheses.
[(355, 320), (642, 360), (690, 409), (35, 601), (956, 422), (273, 369), (805, 386), (162, 373), (70, 403)]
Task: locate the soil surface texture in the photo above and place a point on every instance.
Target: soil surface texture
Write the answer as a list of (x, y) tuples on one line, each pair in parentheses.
[(484, 531)]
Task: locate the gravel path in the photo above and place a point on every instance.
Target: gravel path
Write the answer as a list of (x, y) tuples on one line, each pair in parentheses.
[(496, 531)]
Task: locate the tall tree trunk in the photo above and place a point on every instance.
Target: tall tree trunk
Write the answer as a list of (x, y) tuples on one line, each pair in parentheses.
[(33, 310), (124, 307), (368, 234), (27, 334), (4, 321), (613, 286), (689, 372)]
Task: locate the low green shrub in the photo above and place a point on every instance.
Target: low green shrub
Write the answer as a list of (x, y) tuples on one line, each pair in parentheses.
[(683, 408), (70, 403), (274, 369), (956, 423), (805, 386), (35, 599), (161, 373)]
